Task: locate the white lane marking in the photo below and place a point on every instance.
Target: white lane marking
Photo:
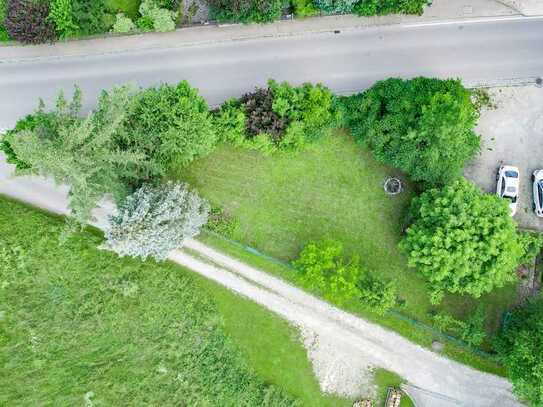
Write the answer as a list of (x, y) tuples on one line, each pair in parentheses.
[(473, 21)]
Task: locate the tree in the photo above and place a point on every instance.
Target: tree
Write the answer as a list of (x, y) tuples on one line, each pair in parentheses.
[(156, 220), (171, 125), (336, 6), (382, 7), (519, 346), (462, 240), (422, 126), (81, 152), (26, 21)]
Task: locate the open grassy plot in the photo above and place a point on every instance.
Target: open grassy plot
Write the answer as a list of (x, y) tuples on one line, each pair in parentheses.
[(333, 189), (80, 325)]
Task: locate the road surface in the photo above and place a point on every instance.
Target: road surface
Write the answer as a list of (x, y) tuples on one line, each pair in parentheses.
[(478, 52)]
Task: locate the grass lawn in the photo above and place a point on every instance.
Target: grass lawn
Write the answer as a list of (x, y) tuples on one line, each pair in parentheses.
[(333, 189), (385, 379), (128, 7), (79, 325)]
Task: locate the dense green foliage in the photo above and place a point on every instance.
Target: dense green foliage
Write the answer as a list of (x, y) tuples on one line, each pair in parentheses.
[(247, 11), (335, 6), (123, 24), (26, 21), (422, 126), (170, 124), (62, 15), (304, 8), (532, 243), (3, 11), (321, 267), (382, 7), (470, 331), (462, 240), (81, 153), (519, 348), (155, 18), (376, 294), (81, 324), (279, 117)]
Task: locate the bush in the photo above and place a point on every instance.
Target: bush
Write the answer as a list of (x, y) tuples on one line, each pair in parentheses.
[(532, 243), (382, 7), (221, 223), (171, 125), (260, 117), (471, 331), (422, 126), (3, 11), (123, 24), (519, 347), (279, 117), (304, 8), (462, 240), (335, 6), (26, 21), (321, 268), (156, 18), (247, 11), (61, 14), (377, 295), (156, 220), (92, 17)]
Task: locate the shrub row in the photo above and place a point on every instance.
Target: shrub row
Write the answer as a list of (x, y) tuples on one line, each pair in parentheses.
[(41, 21), (278, 117)]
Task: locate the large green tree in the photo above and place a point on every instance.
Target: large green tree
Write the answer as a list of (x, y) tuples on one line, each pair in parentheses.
[(421, 126), (171, 125), (462, 240), (81, 153), (519, 346)]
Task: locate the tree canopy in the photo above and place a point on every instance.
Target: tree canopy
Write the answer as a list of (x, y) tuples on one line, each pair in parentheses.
[(519, 346), (462, 240), (422, 126)]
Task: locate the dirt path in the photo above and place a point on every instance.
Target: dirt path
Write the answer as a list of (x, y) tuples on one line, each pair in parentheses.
[(342, 347)]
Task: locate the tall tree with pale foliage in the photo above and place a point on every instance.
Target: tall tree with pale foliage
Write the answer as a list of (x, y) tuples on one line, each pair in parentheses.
[(156, 220)]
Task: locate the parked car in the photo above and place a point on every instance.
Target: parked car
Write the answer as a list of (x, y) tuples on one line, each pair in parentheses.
[(508, 185), (537, 180)]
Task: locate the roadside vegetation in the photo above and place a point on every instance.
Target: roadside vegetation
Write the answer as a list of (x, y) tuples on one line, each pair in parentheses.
[(46, 21), (79, 323), (298, 173)]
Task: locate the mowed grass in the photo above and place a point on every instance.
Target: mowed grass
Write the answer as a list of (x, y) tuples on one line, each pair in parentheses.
[(79, 325), (128, 7), (332, 189)]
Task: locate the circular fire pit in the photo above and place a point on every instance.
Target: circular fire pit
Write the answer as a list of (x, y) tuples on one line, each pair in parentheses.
[(393, 186)]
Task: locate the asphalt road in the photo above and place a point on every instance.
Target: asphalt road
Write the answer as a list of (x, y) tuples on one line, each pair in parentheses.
[(481, 52)]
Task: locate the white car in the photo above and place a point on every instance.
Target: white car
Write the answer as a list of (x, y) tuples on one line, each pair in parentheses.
[(508, 185), (537, 180)]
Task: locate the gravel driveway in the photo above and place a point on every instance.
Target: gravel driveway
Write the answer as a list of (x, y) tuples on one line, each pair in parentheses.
[(512, 133)]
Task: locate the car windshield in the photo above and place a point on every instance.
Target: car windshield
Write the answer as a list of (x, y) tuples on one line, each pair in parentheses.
[(540, 192), (511, 174)]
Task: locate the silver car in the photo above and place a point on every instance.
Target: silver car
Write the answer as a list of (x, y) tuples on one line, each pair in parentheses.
[(537, 180)]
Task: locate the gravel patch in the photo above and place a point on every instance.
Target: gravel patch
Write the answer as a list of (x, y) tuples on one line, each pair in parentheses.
[(511, 133)]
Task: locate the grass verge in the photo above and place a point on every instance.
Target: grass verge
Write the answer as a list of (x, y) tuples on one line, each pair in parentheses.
[(80, 325)]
